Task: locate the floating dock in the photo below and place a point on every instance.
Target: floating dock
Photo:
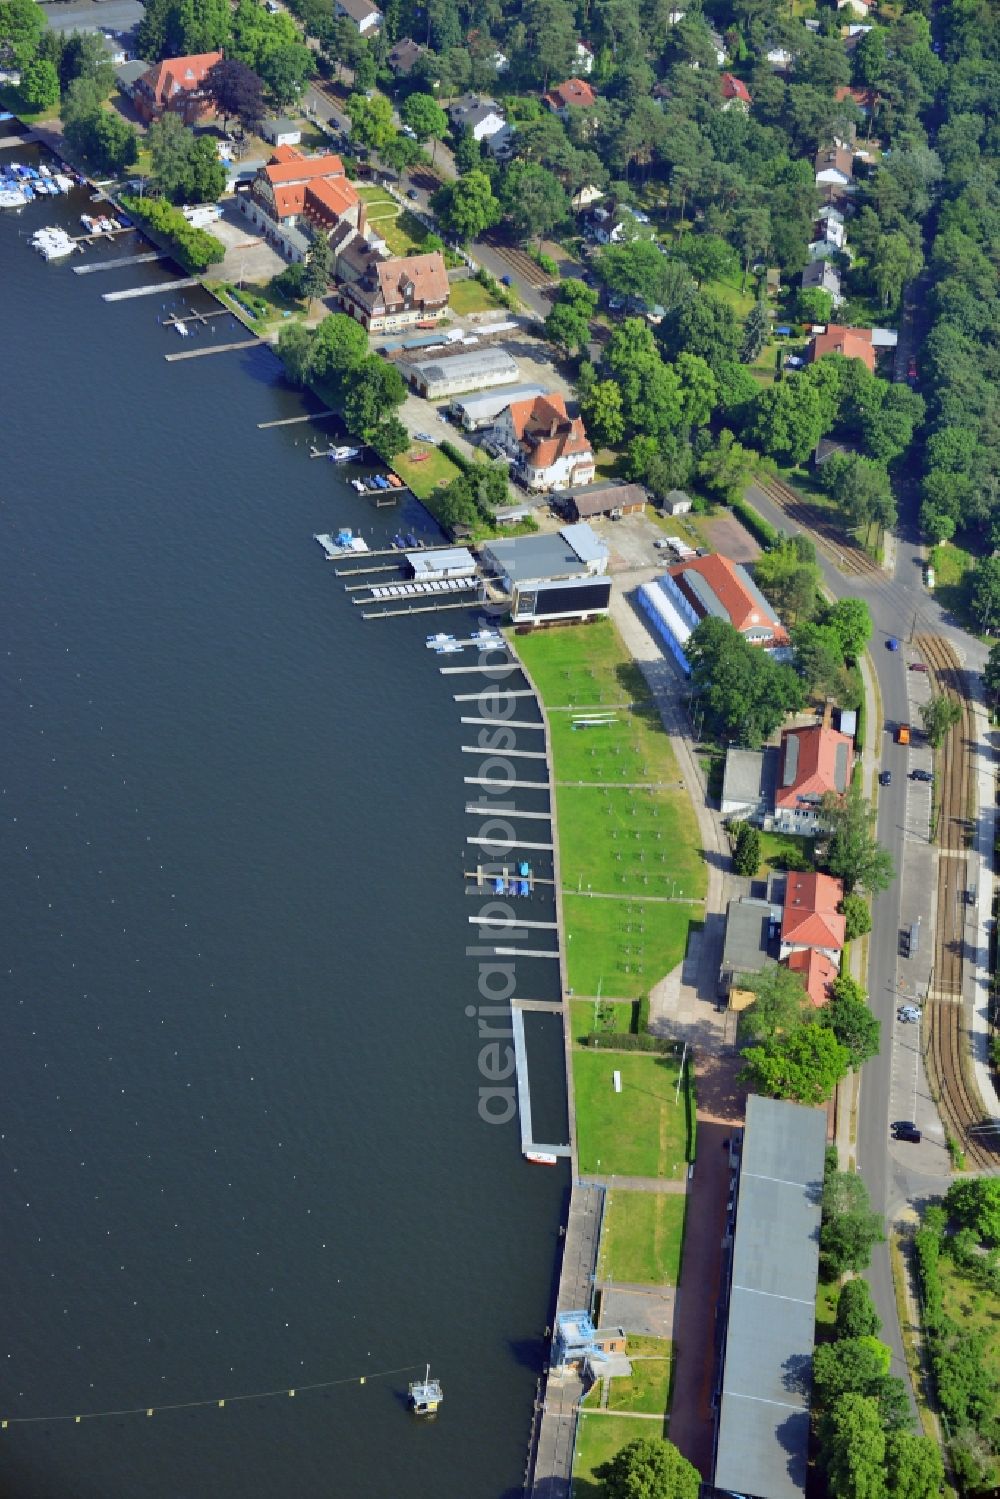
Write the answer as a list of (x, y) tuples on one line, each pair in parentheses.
[(126, 260), (293, 421), (158, 289), (442, 587), (246, 343), (528, 1144)]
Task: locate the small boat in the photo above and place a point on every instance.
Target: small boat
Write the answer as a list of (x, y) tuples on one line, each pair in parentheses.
[(359, 485), (87, 222), (395, 481), (343, 455), (425, 1395), (45, 171), (487, 637), (182, 329), (452, 648), (541, 1157), (64, 182), (12, 197), (435, 641)]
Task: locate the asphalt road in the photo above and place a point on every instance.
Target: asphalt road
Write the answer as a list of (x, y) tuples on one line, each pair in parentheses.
[(899, 606)]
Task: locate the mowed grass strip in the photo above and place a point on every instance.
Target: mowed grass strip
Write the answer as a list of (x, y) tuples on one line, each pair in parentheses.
[(582, 666), (622, 947), (647, 1390), (640, 1131), (629, 746), (642, 1237), (598, 1438), (629, 842)]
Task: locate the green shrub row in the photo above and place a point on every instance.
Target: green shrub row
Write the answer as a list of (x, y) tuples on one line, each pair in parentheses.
[(458, 458), (754, 522)]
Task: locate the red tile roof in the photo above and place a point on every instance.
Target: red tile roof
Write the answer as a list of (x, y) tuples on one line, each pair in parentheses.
[(725, 579), (545, 430), (818, 972), (853, 343), (427, 273), (289, 165), (810, 917), (814, 760), (296, 179), (864, 98), (178, 74), (735, 88), (575, 93)]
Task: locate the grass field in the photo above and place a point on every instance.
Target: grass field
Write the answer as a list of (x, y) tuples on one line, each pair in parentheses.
[(598, 1439), (642, 1238), (588, 1015), (403, 233), (647, 1390), (785, 851), (470, 296), (952, 566), (424, 477), (640, 1131), (616, 841)]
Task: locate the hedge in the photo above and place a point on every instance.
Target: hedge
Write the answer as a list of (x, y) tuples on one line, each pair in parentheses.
[(754, 522), (626, 1041), (459, 459)]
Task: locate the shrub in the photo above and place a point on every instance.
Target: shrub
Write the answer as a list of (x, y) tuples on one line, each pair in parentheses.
[(754, 522)]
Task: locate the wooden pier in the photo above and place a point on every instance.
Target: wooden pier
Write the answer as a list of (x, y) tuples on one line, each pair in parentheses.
[(507, 667), (93, 235), (158, 289), (528, 926), (246, 343), (194, 317), (420, 609), (504, 723), (513, 785), (502, 811), (126, 260), (506, 848), (523, 1091), (293, 421), (495, 691), (516, 754)]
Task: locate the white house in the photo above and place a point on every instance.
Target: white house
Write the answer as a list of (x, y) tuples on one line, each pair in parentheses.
[(481, 115), (281, 132), (861, 6), (587, 195), (780, 59), (551, 448), (584, 58), (365, 16)]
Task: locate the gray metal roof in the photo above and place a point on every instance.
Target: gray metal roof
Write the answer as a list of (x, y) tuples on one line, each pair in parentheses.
[(474, 362), (748, 935), (750, 775), (492, 402), (821, 274), (585, 542), (763, 1434), (525, 559)]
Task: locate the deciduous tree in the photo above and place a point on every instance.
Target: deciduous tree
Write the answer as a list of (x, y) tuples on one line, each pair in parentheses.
[(857, 916), (649, 1468), (236, 90), (805, 1066), (853, 854), (39, 86), (853, 1449), (849, 1229), (856, 1314), (746, 850), (851, 1020), (467, 207), (939, 715)]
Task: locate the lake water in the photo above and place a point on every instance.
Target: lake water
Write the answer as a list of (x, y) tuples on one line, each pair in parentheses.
[(240, 1143)]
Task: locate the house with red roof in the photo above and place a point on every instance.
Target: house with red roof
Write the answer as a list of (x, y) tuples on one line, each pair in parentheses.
[(551, 448), (810, 918), (852, 343), (735, 94), (715, 585), (398, 291), (812, 761), (575, 93), (176, 84), (817, 971), (297, 195)]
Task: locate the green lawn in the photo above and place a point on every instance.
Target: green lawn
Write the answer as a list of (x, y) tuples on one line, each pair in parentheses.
[(728, 291), (623, 947), (952, 566), (471, 296), (11, 99), (403, 234), (642, 1238), (587, 1015), (425, 475), (629, 843), (581, 667), (598, 1438), (640, 1131), (647, 1390), (786, 851)]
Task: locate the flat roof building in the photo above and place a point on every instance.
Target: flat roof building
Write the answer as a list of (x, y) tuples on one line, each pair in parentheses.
[(452, 374), (551, 577), (751, 941), (442, 562), (762, 1428)]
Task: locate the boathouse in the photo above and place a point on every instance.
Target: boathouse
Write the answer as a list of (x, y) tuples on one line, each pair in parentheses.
[(549, 577)]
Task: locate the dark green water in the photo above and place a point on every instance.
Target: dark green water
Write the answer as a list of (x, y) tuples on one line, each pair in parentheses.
[(240, 1143)]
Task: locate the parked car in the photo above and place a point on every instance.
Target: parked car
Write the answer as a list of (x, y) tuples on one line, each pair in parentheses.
[(892, 644), (885, 778), (918, 666), (662, 545), (908, 1132), (921, 775), (506, 281), (411, 192), (908, 1014), (902, 1124)]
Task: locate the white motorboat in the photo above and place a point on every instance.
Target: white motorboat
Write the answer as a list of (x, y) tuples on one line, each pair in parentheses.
[(434, 642), (182, 329), (11, 197), (343, 455)]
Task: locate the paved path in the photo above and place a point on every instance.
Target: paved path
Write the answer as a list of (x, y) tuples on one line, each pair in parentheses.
[(639, 1183)]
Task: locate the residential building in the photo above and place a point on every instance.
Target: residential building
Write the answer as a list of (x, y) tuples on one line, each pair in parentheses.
[(762, 1401), (481, 115), (403, 57), (735, 94), (365, 17), (551, 448), (820, 274), (281, 132), (814, 761), (551, 576), (717, 586), (810, 917), (584, 58), (821, 249), (831, 230), (780, 59), (176, 84), (861, 6), (852, 343), (834, 168), (477, 412), (575, 93), (817, 971), (750, 944), (719, 44), (612, 500), (447, 374), (864, 98), (676, 502), (397, 291), (749, 783), (587, 195), (128, 74), (296, 196)]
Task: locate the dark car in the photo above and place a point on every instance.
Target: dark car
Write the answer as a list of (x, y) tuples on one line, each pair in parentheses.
[(918, 666), (907, 1132), (892, 644), (921, 775), (885, 778), (411, 192), (506, 281), (902, 1124)]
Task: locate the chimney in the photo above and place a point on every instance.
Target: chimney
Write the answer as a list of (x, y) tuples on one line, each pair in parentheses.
[(553, 426), (362, 218)]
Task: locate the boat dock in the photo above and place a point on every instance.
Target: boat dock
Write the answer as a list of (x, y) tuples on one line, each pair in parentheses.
[(193, 317), (495, 691), (159, 288), (126, 260), (418, 609), (96, 234), (245, 343), (293, 421), (528, 1143), (445, 587), (19, 140)]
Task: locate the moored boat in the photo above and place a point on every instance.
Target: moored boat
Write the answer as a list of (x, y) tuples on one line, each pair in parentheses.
[(541, 1157)]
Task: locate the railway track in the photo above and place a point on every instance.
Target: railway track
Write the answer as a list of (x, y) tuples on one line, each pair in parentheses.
[(849, 557), (946, 1036), (522, 264)]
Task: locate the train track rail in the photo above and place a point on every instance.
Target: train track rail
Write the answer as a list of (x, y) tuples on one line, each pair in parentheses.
[(849, 557), (523, 264), (947, 1030)]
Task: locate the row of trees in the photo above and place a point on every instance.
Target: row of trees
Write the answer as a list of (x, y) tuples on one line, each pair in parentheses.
[(791, 1049), (268, 44), (196, 249), (364, 388)]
